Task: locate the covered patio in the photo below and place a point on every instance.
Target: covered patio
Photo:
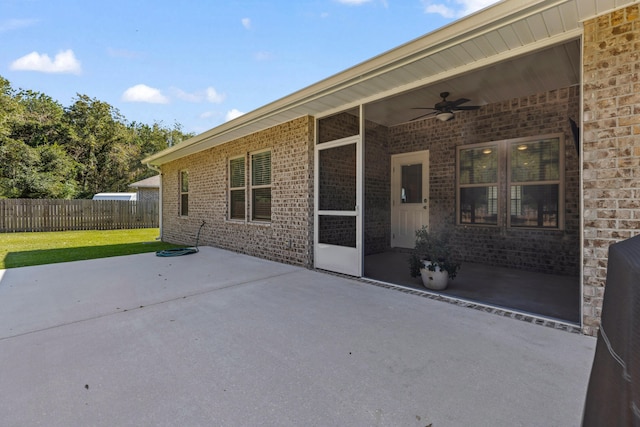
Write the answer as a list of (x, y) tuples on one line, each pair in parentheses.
[(412, 162), (537, 294)]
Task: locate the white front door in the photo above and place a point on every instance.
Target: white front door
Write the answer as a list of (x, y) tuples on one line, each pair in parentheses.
[(338, 222), (409, 197)]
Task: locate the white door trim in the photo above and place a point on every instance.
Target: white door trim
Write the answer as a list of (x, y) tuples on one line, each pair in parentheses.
[(414, 215)]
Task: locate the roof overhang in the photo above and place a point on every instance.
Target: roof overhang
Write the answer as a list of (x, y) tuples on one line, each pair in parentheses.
[(530, 45)]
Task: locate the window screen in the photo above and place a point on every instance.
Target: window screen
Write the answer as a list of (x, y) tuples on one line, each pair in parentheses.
[(261, 186), (184, 193), (237, 190)]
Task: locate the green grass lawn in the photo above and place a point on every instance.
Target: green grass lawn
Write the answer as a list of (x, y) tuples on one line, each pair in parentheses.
[(25, 249)]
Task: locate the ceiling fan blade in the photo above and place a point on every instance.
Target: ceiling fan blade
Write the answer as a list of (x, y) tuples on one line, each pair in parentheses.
[(443, 105), (458, 102)]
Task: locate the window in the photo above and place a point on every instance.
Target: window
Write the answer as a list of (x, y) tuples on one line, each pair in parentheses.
[(261, 186), (237, 202), (478, 178), (531, 193), (534, 182), (184, 193)]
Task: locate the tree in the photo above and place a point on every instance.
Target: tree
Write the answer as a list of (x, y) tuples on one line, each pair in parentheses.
[(97, 134), (38, 119), (49, 151)]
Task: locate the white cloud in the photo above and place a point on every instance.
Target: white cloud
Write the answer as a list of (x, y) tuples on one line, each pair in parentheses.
[(232, 114), (144, 93), (455, 8), (186, 96), (246, 23), (213, 96), (64, 62), (16, 24), (209, 94), (440, 9)]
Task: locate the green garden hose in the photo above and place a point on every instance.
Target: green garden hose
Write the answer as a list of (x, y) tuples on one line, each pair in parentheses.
[(181, 251)]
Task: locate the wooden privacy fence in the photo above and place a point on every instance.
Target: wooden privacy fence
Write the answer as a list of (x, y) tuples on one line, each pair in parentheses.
[(17, 215)]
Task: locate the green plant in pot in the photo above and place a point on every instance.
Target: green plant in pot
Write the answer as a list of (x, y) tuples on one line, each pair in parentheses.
[(432, 258)]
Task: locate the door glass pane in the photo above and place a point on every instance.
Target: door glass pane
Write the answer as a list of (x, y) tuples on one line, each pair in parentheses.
[(337, 178), (411, 190), (337, 230)]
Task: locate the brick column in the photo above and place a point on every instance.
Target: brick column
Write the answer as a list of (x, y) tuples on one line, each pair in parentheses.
[(611, 146)]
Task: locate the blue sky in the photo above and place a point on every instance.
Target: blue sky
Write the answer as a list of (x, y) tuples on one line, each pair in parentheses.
[(201, 63)]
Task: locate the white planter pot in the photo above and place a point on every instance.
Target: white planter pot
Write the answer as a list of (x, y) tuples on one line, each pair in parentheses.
[(436, 280)]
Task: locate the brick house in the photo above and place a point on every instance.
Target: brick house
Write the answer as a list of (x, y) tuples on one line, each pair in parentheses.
[(543, 176)]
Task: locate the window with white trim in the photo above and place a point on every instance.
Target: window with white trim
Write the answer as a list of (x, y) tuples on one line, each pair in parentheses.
[(261, 186), (521, 178), (534, 183), (237, 188), (184, 193)]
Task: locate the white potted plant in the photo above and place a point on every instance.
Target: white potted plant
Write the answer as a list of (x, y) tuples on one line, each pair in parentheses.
[(432, 259)]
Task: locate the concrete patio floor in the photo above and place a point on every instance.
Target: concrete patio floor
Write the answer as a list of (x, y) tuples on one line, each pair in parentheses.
[(222, 339)]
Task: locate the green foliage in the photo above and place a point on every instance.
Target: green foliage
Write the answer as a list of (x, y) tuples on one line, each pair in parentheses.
[(433, 246), (41, 172), (49, 151)]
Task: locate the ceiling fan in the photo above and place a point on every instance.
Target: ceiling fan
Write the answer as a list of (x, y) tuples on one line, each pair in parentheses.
[(444, 109)]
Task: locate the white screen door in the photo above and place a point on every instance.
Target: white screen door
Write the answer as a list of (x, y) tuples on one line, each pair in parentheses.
[(338, 222), (409, 197)]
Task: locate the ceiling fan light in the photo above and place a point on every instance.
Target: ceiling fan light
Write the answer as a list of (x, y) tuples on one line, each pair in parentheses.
[(444, 116)]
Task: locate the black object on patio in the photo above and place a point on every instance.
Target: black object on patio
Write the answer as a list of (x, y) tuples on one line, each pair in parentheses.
[(613, 395)]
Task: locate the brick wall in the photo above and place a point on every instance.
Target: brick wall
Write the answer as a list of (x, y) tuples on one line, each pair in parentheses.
[(338, 126), (611, 146), (287, 238), (551, 251)]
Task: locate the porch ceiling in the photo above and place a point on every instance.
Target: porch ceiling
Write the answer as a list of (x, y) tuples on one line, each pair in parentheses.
[(510, 49), (551, 68)]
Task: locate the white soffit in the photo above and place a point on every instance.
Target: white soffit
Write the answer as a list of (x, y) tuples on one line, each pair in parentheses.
[(517, 36)]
